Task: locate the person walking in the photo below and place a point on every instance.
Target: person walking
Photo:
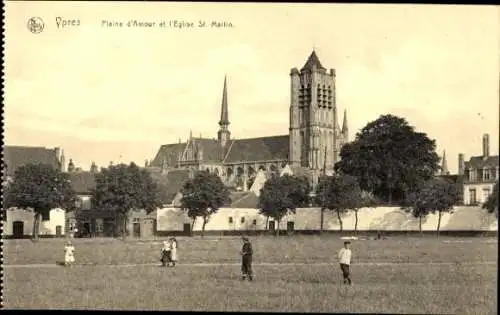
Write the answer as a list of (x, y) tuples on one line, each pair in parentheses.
[(246, 261), (345, 256), (166, 252)]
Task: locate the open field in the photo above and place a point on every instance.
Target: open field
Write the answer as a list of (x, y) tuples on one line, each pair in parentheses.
[(299, 274)]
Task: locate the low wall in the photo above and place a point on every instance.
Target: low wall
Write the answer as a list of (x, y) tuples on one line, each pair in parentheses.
[(228, 220)]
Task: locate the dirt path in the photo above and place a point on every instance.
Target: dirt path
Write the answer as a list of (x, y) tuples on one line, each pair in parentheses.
[(258, 264)]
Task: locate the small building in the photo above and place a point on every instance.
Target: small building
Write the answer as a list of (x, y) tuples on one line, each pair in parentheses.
[(480, 174), (18, 223)]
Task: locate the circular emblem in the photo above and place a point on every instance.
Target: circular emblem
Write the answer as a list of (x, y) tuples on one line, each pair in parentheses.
[(35, 25)]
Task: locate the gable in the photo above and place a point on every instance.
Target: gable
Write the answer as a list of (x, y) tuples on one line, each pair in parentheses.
[(17, 156)]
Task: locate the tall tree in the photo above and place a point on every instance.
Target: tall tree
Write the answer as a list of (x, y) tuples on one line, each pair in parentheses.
[(491, 203), (389, 158), (202, 196), (39, 187), (340, 193), (124, 188), (281, 195), (436, 195)]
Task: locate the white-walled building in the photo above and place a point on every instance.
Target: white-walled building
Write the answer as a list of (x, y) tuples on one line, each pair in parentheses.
[(480, 174), (19, 223)]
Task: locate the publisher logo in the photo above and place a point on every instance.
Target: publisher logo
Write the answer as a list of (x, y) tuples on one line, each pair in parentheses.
[(35, 25)]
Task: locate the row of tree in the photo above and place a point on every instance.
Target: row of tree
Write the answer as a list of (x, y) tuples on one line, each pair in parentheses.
[(388, 161)]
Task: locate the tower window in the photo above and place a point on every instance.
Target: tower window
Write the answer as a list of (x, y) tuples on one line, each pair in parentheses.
[(242, 220), (230, 220), (254, 222)]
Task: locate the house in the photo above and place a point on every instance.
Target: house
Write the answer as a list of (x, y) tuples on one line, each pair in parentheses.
[(480, 174), (18, 223)]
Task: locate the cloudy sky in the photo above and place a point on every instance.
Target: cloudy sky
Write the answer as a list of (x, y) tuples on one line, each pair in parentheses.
[(118, 93)]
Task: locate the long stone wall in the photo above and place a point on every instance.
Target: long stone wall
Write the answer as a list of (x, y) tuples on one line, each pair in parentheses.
[(308, 219)]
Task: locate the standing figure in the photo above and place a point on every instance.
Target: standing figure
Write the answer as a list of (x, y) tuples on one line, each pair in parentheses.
[(69, 254), (166, 252), (345, 255), (246, 263), (174, 247)]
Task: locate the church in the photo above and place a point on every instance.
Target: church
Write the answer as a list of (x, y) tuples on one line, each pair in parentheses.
[(311, 147)]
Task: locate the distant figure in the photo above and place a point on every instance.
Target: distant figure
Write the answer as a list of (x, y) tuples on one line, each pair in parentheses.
[(69, 254), (246, 261), (174, 246), (166, 252), (379, 236), (345, 255)]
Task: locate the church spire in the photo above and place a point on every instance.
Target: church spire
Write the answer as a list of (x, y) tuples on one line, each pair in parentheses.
[(224, 135), (444, 165), (344, 123), (224, 113)]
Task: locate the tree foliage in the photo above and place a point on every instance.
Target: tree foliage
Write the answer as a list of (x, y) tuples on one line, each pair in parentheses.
[(340, 193), (123, 188), (491, 203), (389, 158), (436, 195), (281, 195), (203, 195), (41, 188)]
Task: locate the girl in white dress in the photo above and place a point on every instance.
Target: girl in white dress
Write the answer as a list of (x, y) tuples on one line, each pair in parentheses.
[(69, 254), (173, 250)]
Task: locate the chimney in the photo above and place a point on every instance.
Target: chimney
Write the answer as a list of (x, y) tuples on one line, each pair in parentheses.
[(461, 164), (486, 145)]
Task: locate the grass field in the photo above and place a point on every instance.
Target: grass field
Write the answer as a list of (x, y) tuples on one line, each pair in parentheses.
[(292, 274)]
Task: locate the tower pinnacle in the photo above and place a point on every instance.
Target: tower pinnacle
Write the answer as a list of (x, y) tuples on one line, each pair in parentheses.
[(224, 113), (345, 128), (444, 165)]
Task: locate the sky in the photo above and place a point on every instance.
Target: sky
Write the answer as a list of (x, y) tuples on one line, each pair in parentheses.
[(117, 93)]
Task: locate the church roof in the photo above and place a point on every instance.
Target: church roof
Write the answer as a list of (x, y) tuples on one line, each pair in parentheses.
[(313, 60), (210, 148), (259, 149), (17, 156), (170, 152)]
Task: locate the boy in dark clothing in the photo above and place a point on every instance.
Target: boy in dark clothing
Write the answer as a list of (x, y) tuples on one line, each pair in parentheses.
[(246, 263)]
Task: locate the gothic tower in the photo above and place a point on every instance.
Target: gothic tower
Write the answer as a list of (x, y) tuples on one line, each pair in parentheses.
[(224, 135), (314, 130)]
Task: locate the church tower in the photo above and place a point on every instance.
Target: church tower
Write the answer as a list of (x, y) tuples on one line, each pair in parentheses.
[(224, 134), (315, 134)]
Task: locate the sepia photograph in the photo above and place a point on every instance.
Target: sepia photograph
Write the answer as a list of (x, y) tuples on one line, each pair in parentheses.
[(250, 157)]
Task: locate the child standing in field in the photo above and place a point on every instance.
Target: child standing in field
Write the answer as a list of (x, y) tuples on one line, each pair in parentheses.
[(345, 255), (166, 252), (69, 254), (246, 261), (174, 246)]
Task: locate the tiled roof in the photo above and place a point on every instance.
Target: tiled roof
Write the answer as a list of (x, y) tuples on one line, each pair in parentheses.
[(210, 148), (248, 200), (313, 60), (259, 149), (82, 182), (171, 152), (16, 156), (479, 162), (172, 181)]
